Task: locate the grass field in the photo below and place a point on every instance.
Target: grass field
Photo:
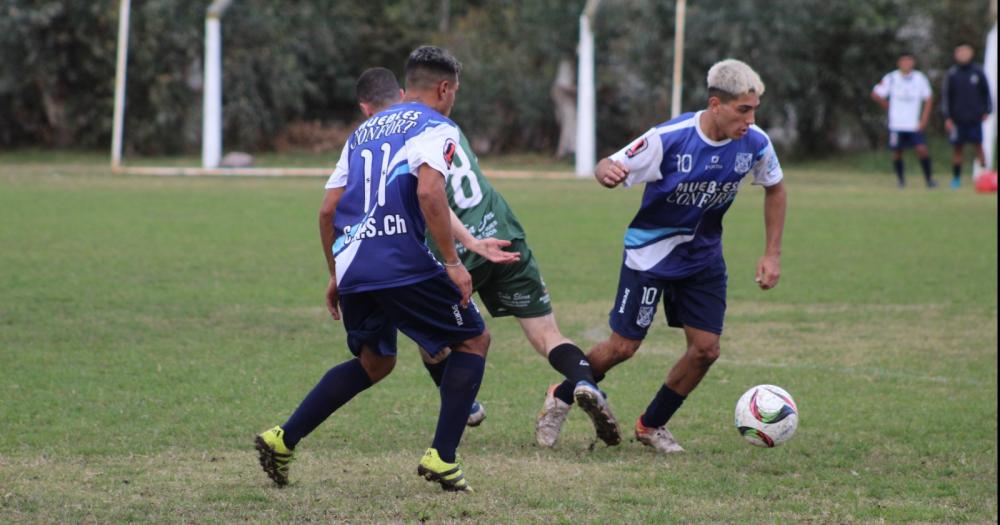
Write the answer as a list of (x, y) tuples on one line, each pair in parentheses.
[(149, 327)]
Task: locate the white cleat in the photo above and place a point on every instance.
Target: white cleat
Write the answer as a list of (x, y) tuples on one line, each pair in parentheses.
[(592, 401), (476, 414), (659, 438), (551, 418)]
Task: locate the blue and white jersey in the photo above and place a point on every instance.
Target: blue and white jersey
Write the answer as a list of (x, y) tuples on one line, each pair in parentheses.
[(691, 180), (379, 225)]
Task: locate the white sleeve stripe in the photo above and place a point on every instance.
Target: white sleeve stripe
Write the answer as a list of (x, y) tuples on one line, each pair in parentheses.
[(684, 124)]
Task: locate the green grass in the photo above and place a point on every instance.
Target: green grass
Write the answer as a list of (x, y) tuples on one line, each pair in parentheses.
[(150, 326)]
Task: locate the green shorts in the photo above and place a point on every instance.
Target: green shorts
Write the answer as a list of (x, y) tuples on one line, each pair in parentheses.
[(512, 289)]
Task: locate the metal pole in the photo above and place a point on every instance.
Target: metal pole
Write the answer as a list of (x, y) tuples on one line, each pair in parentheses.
[(120, 71), (990, 125), (678, 83), (586, 108), (211, 125)]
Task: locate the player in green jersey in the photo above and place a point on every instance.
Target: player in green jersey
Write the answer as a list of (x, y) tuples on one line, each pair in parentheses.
[(507, 286)]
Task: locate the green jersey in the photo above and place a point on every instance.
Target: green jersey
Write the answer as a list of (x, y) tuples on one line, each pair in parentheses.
[(480, 207)]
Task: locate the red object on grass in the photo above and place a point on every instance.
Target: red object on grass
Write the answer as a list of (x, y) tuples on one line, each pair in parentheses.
[(987, 182)]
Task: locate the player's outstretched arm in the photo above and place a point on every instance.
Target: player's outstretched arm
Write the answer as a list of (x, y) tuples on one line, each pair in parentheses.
[(490, 249), (769, 266), (610, 173), (437, 215)]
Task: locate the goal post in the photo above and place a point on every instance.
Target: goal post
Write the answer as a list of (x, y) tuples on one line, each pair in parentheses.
[(211, 111), (586, 102), (124, 10), (990, 124)]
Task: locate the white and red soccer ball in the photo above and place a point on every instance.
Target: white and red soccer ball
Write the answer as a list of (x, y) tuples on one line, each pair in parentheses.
[(766, 416)]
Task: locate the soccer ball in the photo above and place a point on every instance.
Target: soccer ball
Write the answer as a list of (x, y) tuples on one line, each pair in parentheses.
[(766, 416)]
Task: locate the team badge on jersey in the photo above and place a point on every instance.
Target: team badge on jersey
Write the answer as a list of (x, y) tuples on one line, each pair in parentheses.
[(449, 151), (743, 161), (645, 317), (637, 148)]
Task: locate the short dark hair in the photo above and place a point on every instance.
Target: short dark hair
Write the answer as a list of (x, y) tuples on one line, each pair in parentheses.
[(721, 94), (428, 65), (377, 86), (907, 53)]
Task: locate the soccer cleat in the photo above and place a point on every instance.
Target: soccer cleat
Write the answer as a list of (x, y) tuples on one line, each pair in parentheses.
[(956, 183), (274, 455), (659, 438), (551, 418), (449, 475), (592, 401), (476, 414), (931, 184)]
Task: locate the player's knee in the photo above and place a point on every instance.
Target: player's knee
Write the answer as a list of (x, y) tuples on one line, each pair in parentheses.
[(378, 367), (705, 354), (478, 345), (624, 349)]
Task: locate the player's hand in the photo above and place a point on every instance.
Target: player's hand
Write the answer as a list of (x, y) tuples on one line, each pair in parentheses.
[(460, 276), (610, 173), (986, 116), (493, 250), (768, 271), (948, 125), (333, 298)]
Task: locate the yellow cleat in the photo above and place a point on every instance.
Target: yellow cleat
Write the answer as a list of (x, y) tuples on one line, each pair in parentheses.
[(274, 455), (449, 475)]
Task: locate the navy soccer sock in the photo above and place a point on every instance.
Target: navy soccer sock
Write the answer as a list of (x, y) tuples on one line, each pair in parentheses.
[(569, 360), (897, 165), (564, 391), (956, 171), (459, 387), (437, 370), (662, 408), (338, 386), (926, 165)]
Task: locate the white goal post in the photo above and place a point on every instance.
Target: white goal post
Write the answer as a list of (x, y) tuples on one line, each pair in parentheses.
[(990, 124), (211, 113), (586, 110)]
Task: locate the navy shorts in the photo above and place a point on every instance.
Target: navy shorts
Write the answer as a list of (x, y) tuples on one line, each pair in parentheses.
[(698, 301), (966, 133), (906, 139), (427, 312)]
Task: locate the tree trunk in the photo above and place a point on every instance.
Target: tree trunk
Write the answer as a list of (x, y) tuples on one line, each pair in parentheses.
[(564, 97)]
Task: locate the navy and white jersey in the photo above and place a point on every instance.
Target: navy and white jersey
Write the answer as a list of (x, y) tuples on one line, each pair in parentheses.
[(691, 180), (378, 223)]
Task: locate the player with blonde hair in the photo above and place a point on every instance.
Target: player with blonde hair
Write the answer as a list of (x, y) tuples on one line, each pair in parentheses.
[(692, 167)]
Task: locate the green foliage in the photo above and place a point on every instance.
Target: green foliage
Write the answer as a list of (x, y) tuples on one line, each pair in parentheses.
[(293, 61)]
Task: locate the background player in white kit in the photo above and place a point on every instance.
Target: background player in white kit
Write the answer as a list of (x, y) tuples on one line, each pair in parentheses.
[(906, 94), (692, 166)]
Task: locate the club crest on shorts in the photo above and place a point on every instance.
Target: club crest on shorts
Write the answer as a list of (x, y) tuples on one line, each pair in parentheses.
[(645, 317), (743, 161), (449, 151), (637, 148)]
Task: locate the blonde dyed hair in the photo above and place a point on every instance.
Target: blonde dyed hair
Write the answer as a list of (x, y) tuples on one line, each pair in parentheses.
[(731, 78)]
